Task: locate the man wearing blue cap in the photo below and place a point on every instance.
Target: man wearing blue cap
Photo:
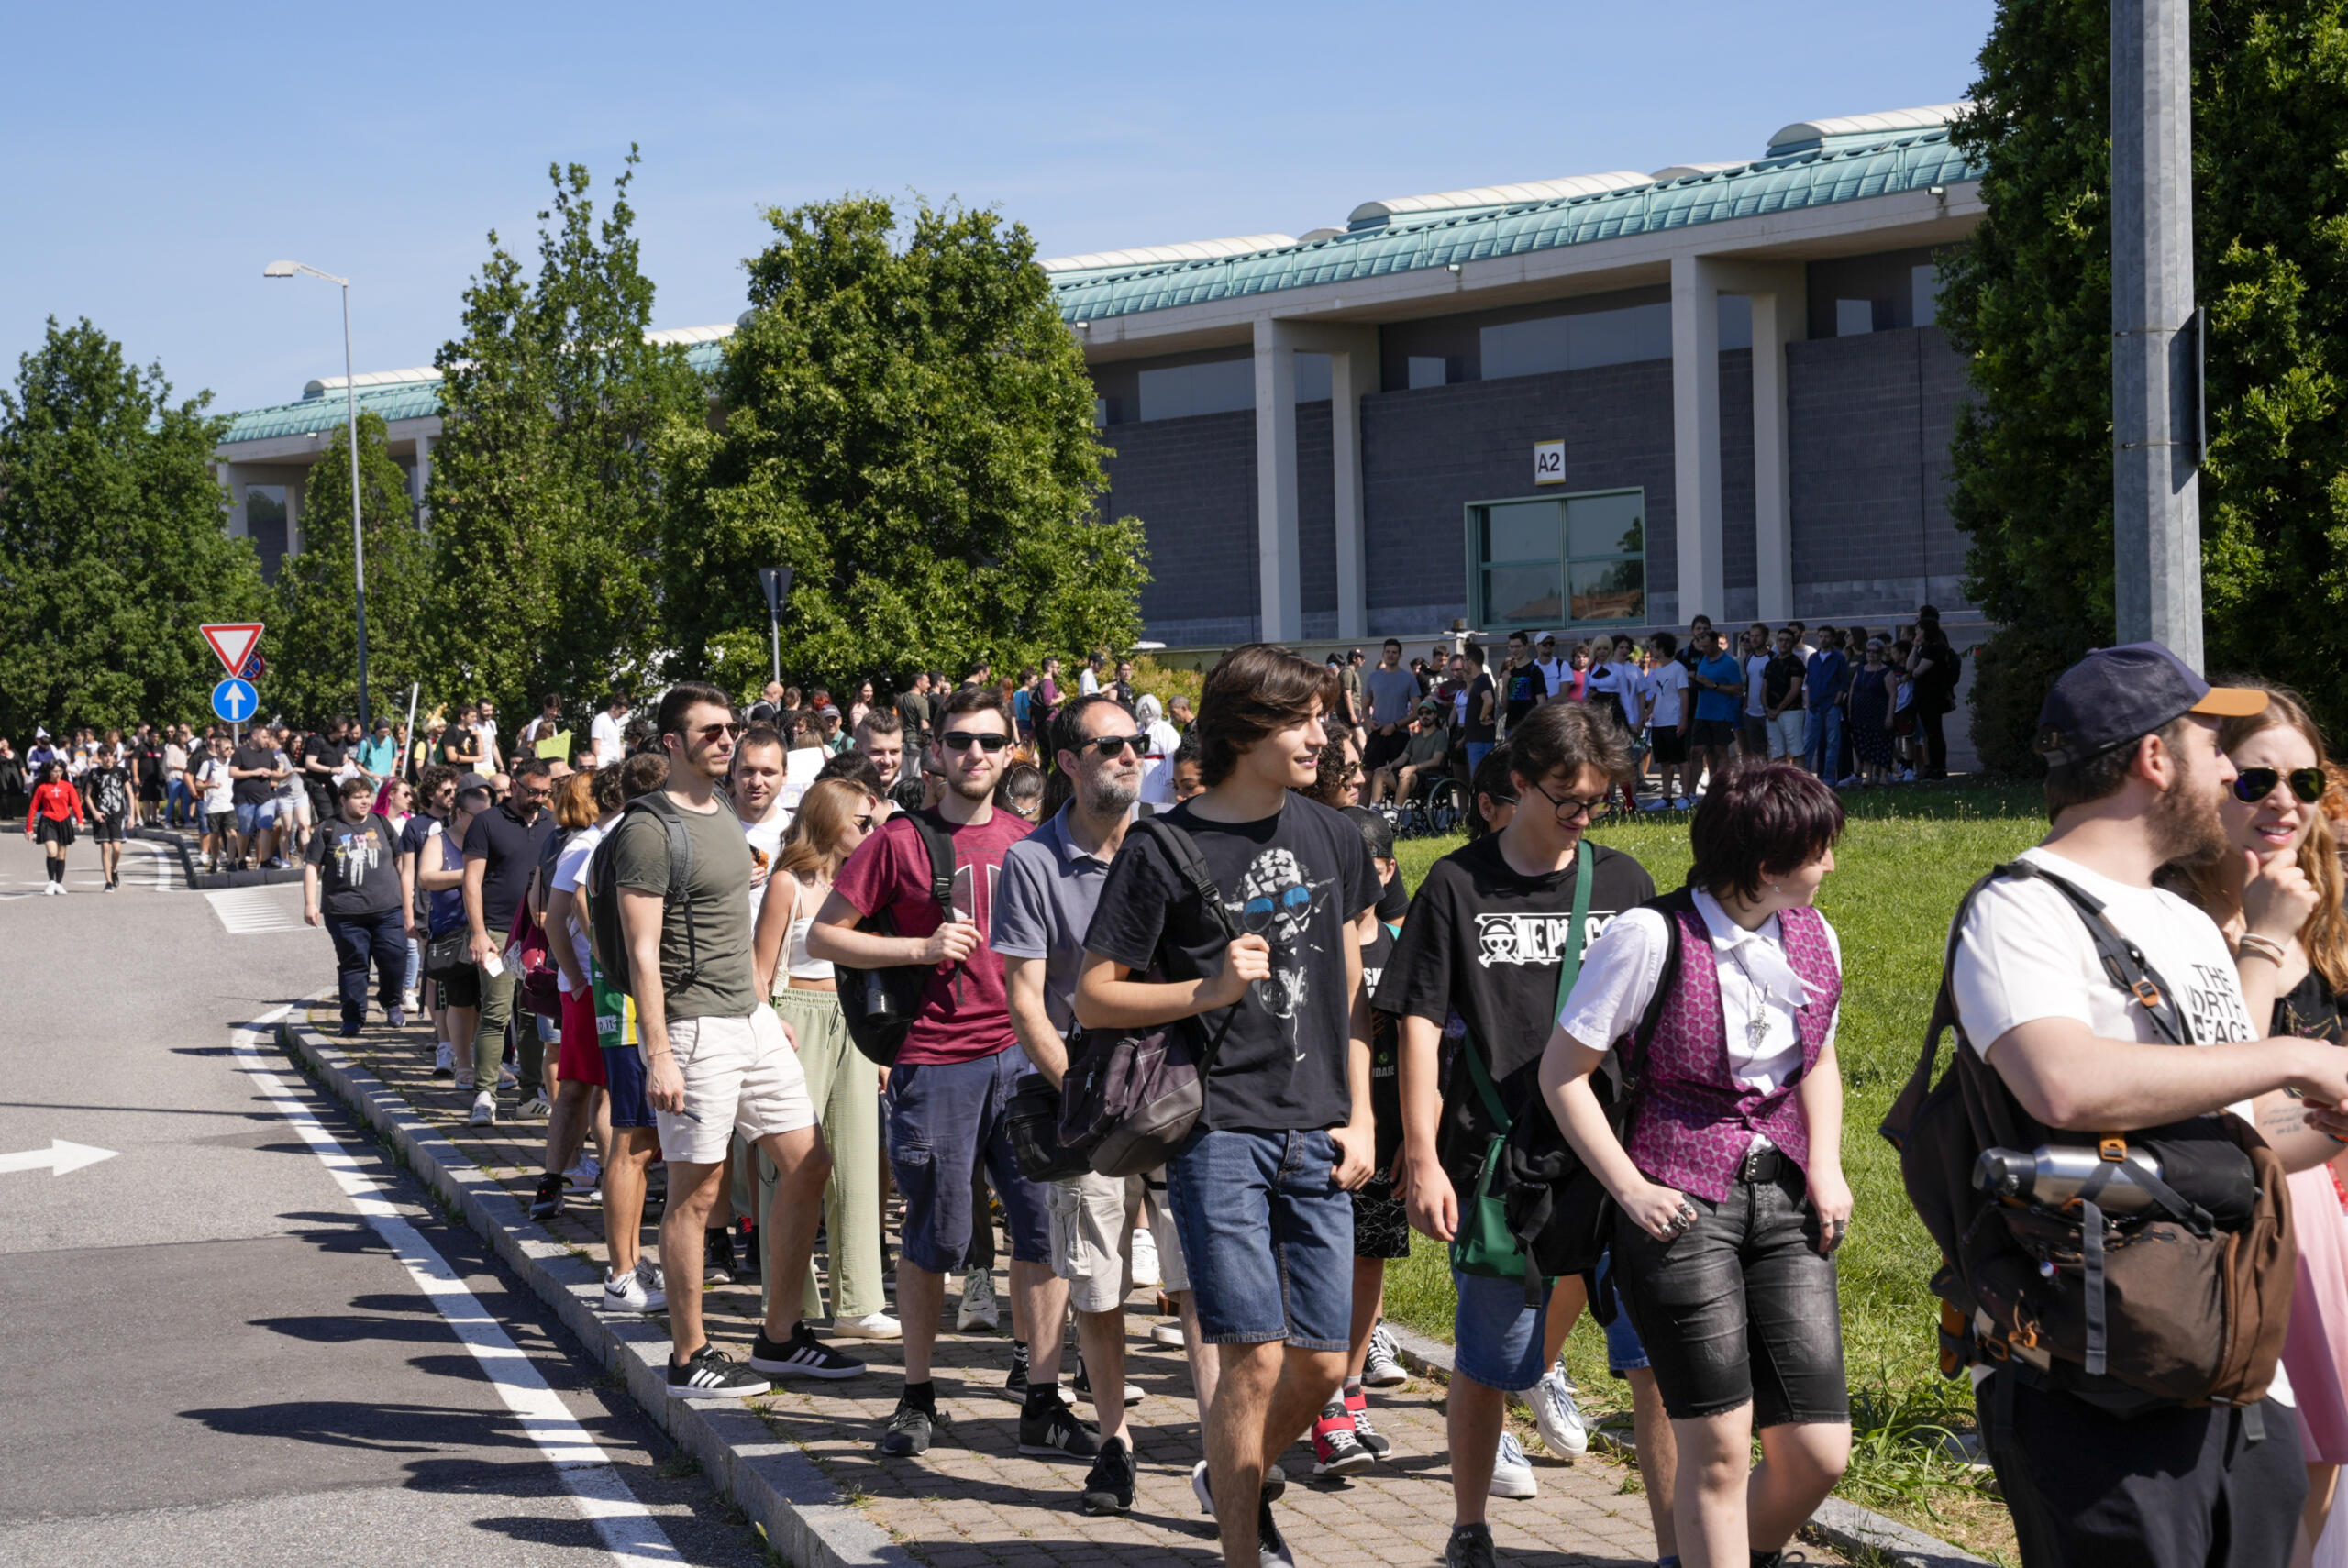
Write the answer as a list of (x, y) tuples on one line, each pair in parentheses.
[(2135, 777)]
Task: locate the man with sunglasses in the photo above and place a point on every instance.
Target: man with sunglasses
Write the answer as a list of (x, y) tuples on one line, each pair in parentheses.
[(2134, 777), (502, 850), (1051, 885), (952, 1080), (718, 1059), (1492, 932)]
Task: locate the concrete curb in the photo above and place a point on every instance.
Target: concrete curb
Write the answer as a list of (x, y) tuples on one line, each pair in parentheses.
[(1855, 1531), (212, 881), (774, 1482)]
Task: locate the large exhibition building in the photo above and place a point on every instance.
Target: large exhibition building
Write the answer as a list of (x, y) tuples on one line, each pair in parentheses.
[(1597, 402)]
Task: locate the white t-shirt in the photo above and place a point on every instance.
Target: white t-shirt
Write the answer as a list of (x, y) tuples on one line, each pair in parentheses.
[(487, 735), (766, 848), (1757, 669), (1666, 686), (605, 733), (213, 774), (1558, 673), (1620, 969), (1629, 685), (1087, 683), (569, 871), (1157, 767), (2026, 954)]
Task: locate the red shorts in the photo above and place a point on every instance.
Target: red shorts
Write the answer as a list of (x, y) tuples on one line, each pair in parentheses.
[(581, 1058)]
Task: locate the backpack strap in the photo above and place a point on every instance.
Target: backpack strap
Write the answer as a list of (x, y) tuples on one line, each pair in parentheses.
[(939, 841), (2122, 959)]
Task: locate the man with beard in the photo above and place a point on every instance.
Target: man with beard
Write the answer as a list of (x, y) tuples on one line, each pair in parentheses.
[(952, 1081), (2134, 775)]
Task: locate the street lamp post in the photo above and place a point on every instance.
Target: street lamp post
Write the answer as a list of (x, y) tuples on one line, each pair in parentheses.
[(350, 407)]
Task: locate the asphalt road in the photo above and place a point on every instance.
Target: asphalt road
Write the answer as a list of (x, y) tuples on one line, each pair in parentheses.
[(208, 1354)]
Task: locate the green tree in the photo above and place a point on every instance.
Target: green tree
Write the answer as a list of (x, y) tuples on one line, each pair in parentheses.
[(2030, 300), (113, 543), (314, 634), (909, 428), (544, 500)]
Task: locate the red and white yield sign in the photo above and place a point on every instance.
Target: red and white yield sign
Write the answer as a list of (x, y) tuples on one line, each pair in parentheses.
[(233, 645)]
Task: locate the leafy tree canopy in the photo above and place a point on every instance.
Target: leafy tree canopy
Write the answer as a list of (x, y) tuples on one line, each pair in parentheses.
[(909, 428), (314, 634), (112, 544), (544, 499), (2030, 300)]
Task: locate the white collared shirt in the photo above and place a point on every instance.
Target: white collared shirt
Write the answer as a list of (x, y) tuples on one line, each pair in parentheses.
[(1620, 971)]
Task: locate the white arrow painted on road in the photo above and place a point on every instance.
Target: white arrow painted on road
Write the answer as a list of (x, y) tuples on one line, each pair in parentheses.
[(56, 1159)]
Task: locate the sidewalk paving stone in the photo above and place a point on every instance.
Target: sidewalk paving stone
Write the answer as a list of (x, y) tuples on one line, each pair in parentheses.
[(975, 1502)]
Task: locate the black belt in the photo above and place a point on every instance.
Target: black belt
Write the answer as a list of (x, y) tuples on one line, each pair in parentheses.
[(1763, 1165)]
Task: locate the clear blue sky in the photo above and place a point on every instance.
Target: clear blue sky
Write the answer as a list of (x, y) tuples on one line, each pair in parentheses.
[(159, 155)]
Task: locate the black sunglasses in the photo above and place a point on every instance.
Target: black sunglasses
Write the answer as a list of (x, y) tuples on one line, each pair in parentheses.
[(963, 740), (1110, 746), (2253, 785)]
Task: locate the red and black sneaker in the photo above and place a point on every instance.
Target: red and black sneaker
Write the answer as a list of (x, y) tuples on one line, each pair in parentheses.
[(1336, 1450)]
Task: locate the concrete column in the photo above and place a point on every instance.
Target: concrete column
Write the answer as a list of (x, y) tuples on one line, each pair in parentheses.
[(2157, 495), (1780, 316), (1279, 554), (293, 513), (423, 475), (1696, 436), (1351, 375), (233, 485)]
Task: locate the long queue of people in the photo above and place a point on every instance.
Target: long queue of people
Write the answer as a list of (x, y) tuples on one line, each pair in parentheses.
[(1367, 1057)]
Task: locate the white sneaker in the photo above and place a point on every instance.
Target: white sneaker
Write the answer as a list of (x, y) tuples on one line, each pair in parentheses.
[(978, 1309), (1563, 1430), (1382, 1368), (585, 1174), (412, 1001), (485, 1109), (1168, 1331), (1147, 1276), (636, 1291), (1511, 1471), (872, 1326), (536, 1107), (444, 1060)]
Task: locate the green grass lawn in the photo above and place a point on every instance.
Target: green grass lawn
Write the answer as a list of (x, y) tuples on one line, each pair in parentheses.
[(1907, 856)]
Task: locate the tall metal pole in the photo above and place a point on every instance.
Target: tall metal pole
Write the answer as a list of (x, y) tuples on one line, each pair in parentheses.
[(358, 534), (2156, 482)]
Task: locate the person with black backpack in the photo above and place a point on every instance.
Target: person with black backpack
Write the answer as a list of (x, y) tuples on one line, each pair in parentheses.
[(1284, 1132), (1721, 1152), (2110, 1209), (957, 1060), (1495, 936), (675, 870)]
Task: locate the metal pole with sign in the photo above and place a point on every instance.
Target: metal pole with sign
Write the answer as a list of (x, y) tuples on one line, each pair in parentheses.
[(776, 581)]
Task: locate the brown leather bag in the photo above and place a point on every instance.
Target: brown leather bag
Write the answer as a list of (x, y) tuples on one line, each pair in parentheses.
[(2170, 1306)]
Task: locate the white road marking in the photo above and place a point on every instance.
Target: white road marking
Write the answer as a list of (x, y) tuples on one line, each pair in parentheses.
[(56, 1159), (249, 911), (629, 1532)]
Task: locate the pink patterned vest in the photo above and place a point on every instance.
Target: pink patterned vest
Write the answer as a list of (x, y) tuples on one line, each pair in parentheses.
[(1694, 1123)]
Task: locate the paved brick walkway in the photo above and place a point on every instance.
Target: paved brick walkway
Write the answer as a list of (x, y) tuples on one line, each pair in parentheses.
[(973, 1501)]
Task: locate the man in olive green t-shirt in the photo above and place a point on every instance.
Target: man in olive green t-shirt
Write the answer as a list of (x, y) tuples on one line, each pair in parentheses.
[(717, 1058)]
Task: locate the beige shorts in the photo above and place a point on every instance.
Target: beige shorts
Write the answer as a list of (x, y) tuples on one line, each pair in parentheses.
[(1091, 1230), (741, 1075)]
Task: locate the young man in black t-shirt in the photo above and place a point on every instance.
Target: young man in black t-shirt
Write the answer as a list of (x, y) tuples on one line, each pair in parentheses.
[(1259, 1190), (1522, 686), (1482, 718), (1478, 969)]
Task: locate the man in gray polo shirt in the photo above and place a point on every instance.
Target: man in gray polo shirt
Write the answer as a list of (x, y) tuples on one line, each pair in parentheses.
[(1051, 883)]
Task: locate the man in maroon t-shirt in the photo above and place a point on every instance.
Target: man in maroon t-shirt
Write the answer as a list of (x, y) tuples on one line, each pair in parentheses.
[(954, 1076)]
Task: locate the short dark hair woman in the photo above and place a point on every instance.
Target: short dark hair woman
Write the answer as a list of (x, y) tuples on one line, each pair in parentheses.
[(1728, 1166)]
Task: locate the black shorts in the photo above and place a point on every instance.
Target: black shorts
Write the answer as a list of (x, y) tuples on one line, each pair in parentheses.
[(1667, 744), (1753, 734), (1381, 1225), (1384, 750), (106, 829), (1740, 1308), (461, 988), (52, 830), (1704, 733), (220, 825)]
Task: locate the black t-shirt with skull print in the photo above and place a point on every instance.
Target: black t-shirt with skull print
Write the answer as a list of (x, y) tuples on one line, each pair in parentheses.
[(1297, 879), (1481, 955)]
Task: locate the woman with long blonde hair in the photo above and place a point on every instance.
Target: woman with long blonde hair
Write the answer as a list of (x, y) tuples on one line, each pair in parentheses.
[(2281, 874), (834, 817)]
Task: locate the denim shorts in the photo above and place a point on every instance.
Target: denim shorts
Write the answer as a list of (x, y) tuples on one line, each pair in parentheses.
[(945, 1119), (1269, 1236), (1497, 1338), (1740, 1308), (254, 815)]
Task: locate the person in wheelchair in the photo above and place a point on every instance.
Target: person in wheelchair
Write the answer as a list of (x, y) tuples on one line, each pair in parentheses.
[(1420, 761)]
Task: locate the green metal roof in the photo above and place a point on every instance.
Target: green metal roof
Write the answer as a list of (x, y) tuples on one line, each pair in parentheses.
[(1887, 166)]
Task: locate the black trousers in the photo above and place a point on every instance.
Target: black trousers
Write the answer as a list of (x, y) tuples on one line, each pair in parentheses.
[(1928, 722), (2168, 1489)]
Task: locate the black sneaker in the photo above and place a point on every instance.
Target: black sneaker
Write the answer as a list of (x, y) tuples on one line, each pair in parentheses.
[(1109, 1487), (1274, 1483), (909, 1431), (1471, 1547), (1081, 1384), (1015, 1385), (710, 1374), (718, 1256), (801, 1355), (1271, 1547), (1054, 1430), (549, 1201)]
